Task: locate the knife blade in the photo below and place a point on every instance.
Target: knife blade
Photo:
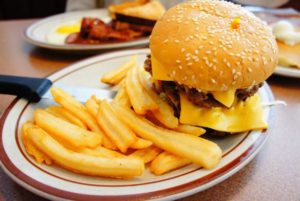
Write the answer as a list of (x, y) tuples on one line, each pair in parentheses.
[(34, 89)]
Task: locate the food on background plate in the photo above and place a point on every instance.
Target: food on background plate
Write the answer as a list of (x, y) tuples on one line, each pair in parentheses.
[(130, 20), (139, 15), (58, 34), (288, 41), (212, 63)]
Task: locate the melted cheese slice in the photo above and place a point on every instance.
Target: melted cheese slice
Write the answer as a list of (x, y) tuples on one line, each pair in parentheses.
[(244, 116), (226, 97), (159, 73)]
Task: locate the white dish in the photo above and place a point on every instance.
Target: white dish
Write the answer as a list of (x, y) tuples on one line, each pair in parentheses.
[(38, 31), (56, 183), (287, 71)]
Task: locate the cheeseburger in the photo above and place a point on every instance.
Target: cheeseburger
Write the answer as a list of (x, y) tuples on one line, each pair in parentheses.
[(208, 60)]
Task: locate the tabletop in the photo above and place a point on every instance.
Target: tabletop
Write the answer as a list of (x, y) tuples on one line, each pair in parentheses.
[(272, 175)]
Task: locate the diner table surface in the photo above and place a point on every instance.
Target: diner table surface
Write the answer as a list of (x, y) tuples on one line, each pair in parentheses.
[(274, 174)]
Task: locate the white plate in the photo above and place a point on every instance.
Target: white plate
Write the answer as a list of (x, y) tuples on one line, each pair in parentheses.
[(37, 32), (287, 71), (55, 183)]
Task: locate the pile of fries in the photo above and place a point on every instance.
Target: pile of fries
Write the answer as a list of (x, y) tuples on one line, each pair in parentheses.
[(117, 138)]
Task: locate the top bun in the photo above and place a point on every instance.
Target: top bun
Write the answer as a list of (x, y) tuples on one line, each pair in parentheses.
[(213, 46)]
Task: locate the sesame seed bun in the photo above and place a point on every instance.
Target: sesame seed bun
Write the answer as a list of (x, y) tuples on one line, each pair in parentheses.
[(213, 46)]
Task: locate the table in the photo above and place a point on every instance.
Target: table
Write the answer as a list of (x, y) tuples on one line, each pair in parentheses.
[(274, 174)]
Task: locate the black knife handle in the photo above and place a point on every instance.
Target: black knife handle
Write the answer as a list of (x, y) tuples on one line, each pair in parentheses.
[(25, 87)]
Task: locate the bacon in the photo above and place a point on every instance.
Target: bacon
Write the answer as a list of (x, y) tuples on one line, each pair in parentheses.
[(95, 31)]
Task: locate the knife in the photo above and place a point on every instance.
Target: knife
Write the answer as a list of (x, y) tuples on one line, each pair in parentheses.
[(34, 89)]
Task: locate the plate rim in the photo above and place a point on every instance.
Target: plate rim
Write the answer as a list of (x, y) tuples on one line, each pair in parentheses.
[(29, 39), (287, 71), (236, 164)]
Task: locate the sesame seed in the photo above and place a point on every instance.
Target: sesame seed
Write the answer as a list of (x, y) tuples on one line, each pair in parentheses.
[(176, 41), (213, 80), (173, 73), (249, 69), (165, 41), (178, 61), (182, 50), (190, 63), (180, 67)]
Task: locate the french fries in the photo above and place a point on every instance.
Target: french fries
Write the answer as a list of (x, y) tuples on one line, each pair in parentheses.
[(92, 106), (118, 132), (125, 167), (122, 97), (139, 98), (64, 114), (147, 154), (141, 143), (117, 75), (101, 152), (200, 151), (68, 133), (77, 109), (116, 139), (193, 130), (165, 113), (31, 149), (166, 162)]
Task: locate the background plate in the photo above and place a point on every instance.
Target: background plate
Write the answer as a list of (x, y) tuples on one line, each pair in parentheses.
[(36, 33), (56, 183), (287, 71)]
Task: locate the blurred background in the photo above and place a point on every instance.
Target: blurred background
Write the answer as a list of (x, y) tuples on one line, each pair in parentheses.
[(25, 9)]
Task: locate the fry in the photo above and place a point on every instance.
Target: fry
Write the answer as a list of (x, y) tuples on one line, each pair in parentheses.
[(141, 143), (31, 149), (69, 133), (139, 98), (101, 152), (78, 110), (200, 151), (147, 154), (64, 114), (92, 106), (118, 132), (82, 163), (193, 130), (166, 162), (165, 113), (122, 97), (115, 76)]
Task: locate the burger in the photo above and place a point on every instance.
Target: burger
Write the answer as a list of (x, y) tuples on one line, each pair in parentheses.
[(208, 60), (130, 20)]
